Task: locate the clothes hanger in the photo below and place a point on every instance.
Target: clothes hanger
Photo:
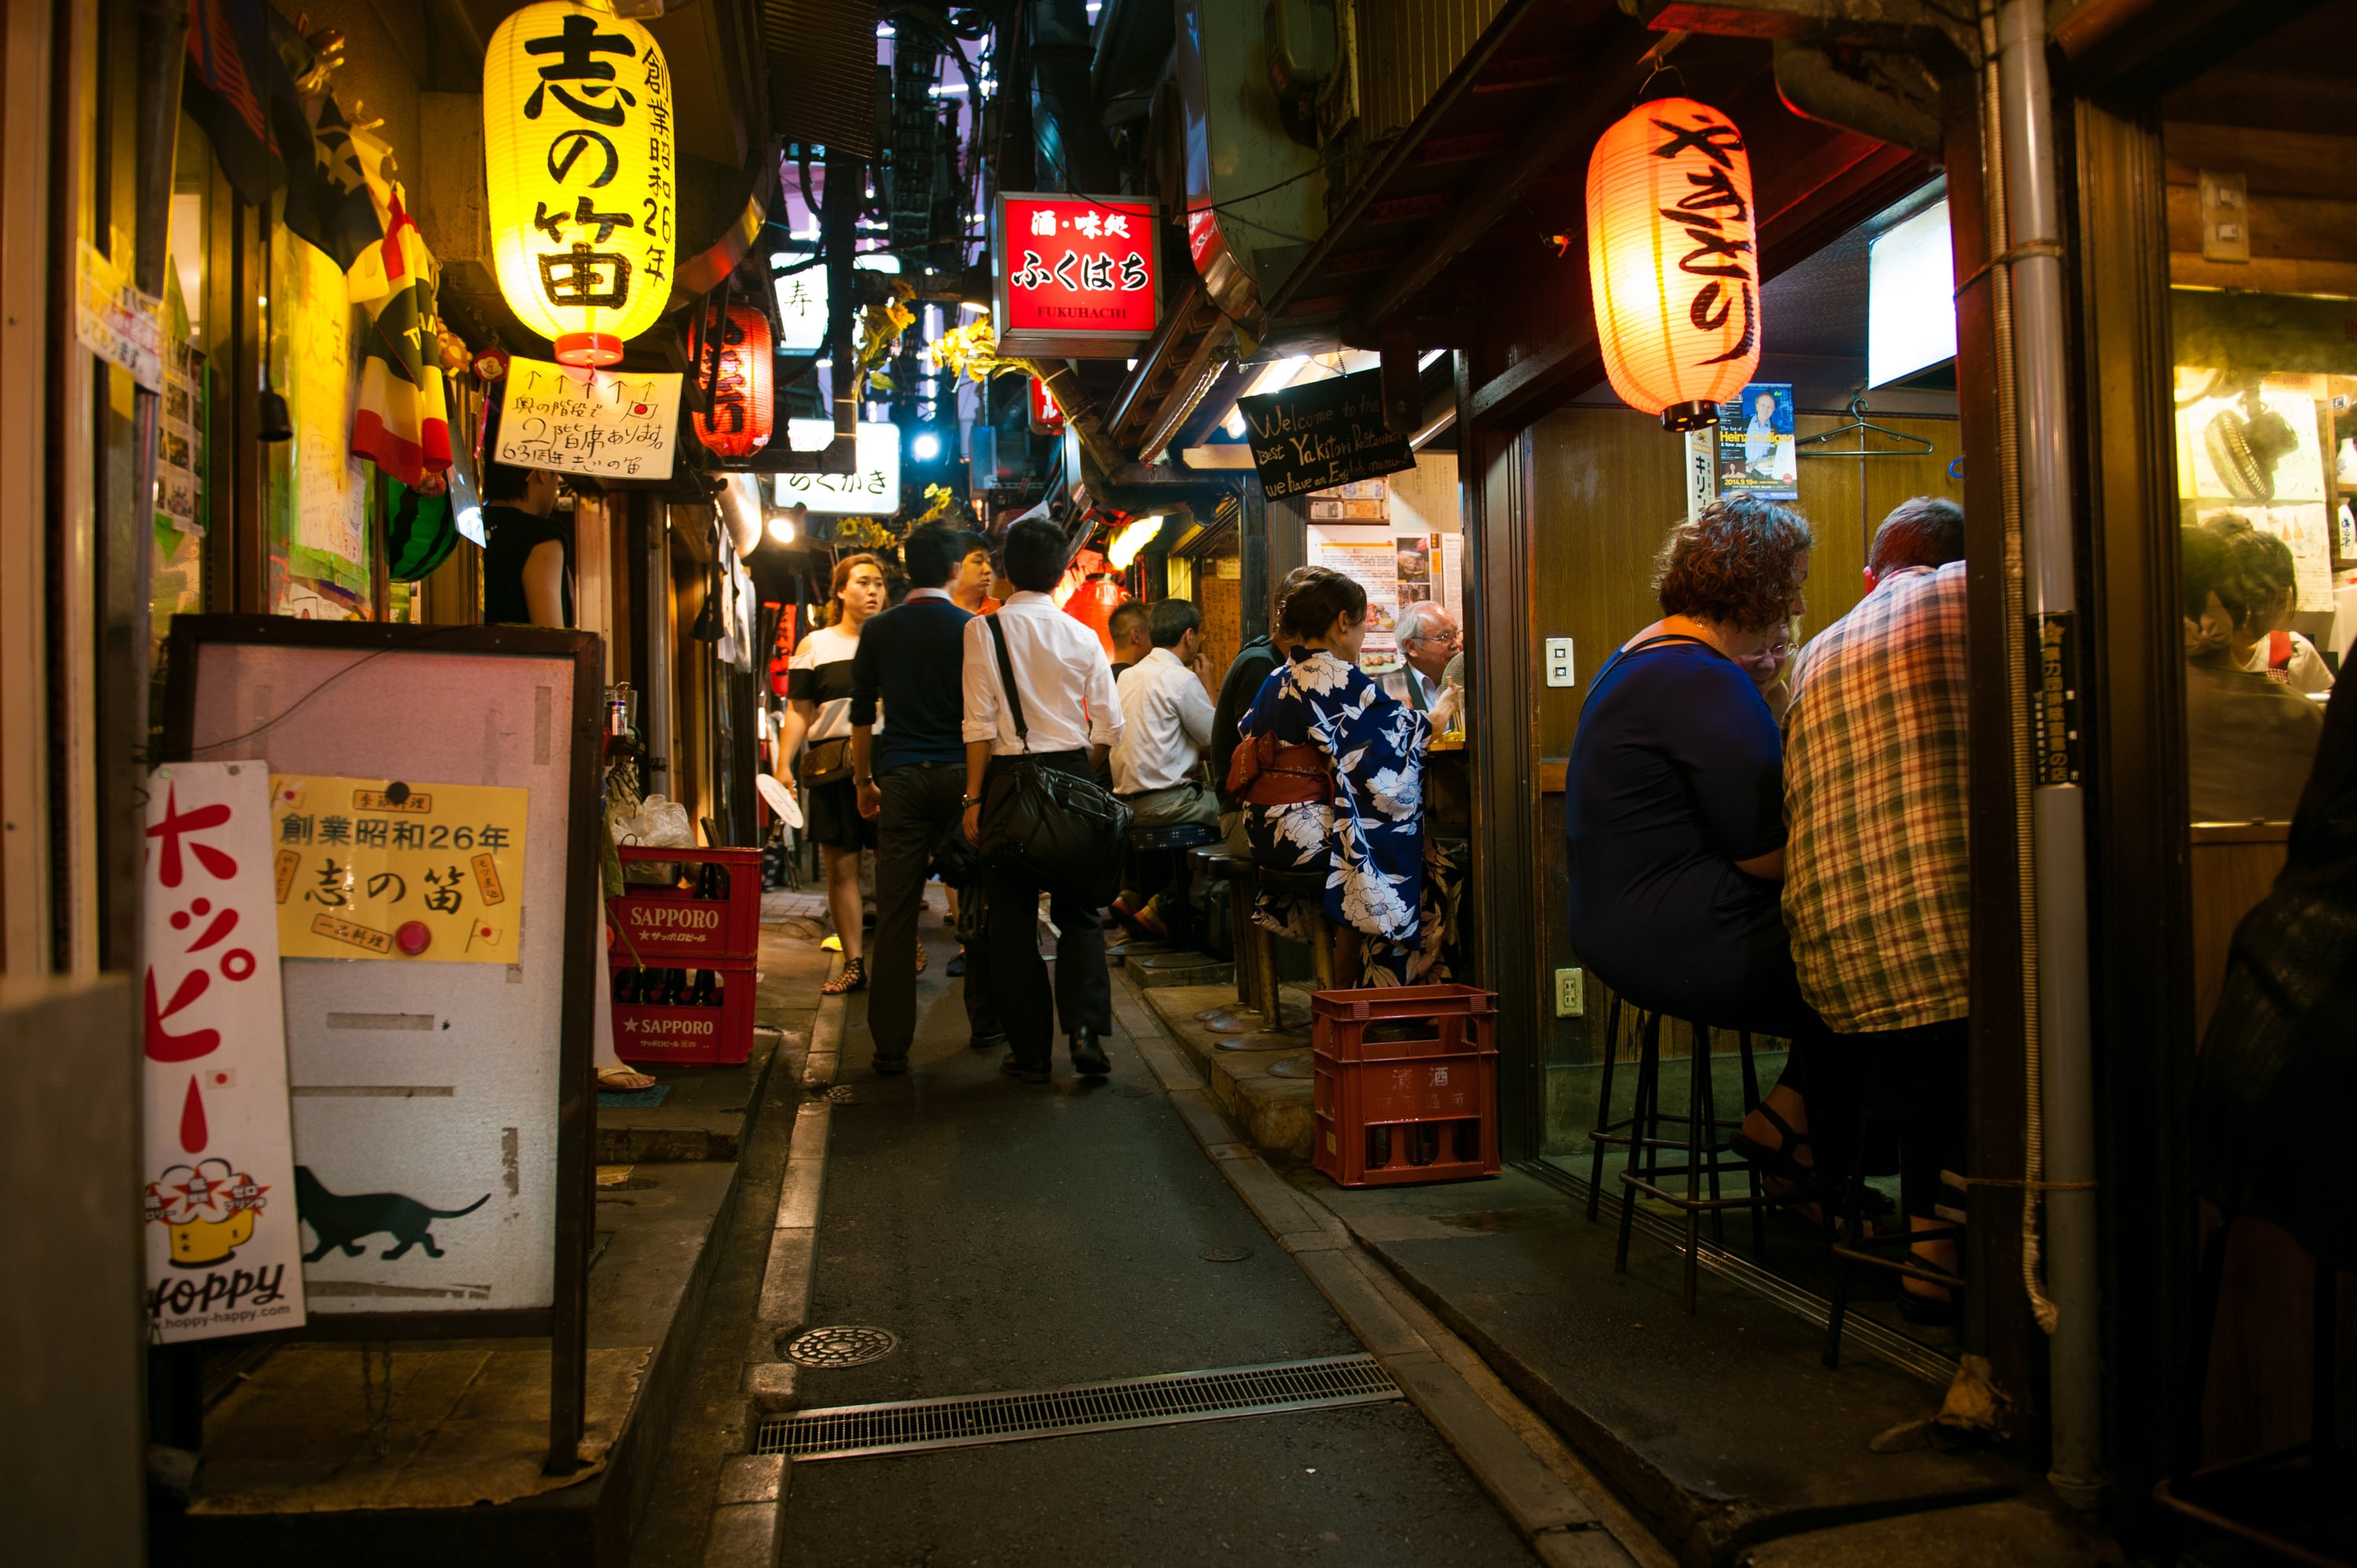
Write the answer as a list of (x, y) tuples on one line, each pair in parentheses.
[(1916, 445)]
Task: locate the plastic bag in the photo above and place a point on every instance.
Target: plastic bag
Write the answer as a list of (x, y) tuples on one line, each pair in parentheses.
[(658, 824)]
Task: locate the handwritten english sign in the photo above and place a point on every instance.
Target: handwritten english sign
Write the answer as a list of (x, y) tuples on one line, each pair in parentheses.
[(620, 424), (1322, 434)]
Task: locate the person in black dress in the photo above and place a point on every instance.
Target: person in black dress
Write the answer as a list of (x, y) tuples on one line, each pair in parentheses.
[(527, 550), (818, 714), (1673, 803)]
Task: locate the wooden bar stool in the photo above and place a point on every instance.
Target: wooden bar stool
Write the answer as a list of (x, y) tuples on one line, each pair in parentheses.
[(1703, 1143)]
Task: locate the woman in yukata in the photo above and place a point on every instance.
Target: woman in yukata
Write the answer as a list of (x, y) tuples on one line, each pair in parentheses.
[(1331, 776)]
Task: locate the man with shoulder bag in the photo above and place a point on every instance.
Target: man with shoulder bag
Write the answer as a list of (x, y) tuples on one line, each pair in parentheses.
[(1040, 715)]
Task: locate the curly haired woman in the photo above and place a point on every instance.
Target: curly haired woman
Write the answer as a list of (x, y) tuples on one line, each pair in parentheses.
[(1674, 802)]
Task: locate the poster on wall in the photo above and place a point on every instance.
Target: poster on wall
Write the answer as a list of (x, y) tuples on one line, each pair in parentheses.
[(318, 490), (224, 1242), (1755, 451), (1414, 573), (376, 868), (1369, 556), (621, 426), (2251, 450)]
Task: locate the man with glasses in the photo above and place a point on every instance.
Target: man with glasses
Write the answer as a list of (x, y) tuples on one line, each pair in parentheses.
[(1428, 639)]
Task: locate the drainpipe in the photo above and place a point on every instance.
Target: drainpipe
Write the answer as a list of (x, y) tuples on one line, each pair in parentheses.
[(2026, 227)]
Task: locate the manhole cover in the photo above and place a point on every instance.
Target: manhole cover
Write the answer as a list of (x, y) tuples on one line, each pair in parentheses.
[(837, 1094), (844, 1345), (1225, 1254)]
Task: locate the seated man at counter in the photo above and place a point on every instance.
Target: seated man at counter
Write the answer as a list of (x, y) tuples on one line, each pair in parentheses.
[(1878, 884), (2250, 741), (1158, 764), (1428, 639)]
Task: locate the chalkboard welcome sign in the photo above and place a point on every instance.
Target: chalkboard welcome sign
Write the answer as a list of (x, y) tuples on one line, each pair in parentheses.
[(1314, 436)]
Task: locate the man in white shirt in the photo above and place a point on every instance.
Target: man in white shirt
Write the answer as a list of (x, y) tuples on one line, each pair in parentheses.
[(1428, 639), (1166, 723), (1070, 720)]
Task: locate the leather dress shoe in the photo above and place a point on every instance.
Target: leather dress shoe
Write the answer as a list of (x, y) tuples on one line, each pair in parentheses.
[(1088, 1055), (986, 1043), (1012, 1068), (889, 1067)]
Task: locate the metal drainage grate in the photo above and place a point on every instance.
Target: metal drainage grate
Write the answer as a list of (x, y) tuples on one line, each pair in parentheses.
[(844, 1345), (859, 1430)]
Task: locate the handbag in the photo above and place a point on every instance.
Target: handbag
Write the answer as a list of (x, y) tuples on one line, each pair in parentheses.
[(1060, 829), (824, 761)]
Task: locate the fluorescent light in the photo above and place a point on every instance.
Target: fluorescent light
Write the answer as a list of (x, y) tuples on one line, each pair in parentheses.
[(1278, 375), (876, 261), (947, 90), (1910, 314), (1234, 423), (1426, 363)]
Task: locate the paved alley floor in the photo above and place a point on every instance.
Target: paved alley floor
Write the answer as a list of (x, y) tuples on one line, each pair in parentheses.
[(1019, 1237)]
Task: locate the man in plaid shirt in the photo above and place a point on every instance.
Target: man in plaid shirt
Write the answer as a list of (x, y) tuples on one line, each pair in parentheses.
[(1876, 892)]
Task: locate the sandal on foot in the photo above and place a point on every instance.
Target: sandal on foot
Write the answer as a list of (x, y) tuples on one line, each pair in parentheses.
[(624, 1080), (853, 978), (921, 958)]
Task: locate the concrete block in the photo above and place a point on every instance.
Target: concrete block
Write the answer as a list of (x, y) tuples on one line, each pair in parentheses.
[(1580, 1549), (750, 1478), (744, 1535), (786, 1281), (812, 1120), (798, 1194), (1533, 1495), (1203, 1117), (772, 1384), (1378, 1325)]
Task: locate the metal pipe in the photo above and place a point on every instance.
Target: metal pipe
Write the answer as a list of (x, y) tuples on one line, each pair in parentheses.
[(2030, 264)]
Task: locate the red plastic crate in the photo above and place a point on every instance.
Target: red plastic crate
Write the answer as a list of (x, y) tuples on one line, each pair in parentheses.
[(702, 1037), (662, 926), (1398, 1113)]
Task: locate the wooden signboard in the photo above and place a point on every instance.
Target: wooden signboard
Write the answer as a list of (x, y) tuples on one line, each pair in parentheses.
[(434, 827), (1320, 434)]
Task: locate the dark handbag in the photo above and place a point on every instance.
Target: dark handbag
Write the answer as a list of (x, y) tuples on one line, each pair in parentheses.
[(1060, 829), (824, 761)]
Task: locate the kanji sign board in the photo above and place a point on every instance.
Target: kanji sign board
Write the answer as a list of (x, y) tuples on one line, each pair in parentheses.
[(1075, 275), (378, 868)]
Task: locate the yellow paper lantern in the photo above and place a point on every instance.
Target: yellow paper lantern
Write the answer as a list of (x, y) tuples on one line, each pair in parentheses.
[(1674, 260), (577, 138)]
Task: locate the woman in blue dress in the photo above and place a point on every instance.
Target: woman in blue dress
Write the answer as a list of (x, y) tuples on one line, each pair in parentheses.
[(1336, 783), (1673, 803)]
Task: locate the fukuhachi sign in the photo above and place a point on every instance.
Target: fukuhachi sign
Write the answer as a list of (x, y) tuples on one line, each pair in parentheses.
[(224, 1247), (1075, 275)]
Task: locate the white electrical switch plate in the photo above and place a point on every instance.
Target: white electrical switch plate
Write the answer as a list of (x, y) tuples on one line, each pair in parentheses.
[(1570, 993), (1558, 662)]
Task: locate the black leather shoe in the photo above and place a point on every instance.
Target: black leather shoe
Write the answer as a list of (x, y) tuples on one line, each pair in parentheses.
[(986, 1043), (1008, 1064), (889, 1067), (1088, 1055)]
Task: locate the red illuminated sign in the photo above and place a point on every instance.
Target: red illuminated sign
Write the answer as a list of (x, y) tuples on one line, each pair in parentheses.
[(1047, 416), (1075, 275)]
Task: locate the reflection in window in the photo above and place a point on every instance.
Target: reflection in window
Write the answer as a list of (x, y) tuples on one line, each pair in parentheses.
[(2263, 384)]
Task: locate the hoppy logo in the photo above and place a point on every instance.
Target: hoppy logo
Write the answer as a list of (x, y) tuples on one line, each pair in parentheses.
[(207, 1209)]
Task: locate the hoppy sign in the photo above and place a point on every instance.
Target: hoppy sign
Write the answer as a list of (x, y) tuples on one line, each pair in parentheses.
[(577, 139), (219, 1159), (1075, 275)]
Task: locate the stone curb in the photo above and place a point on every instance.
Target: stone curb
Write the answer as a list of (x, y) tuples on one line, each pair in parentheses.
[(748, 1503), (1563, 1509)]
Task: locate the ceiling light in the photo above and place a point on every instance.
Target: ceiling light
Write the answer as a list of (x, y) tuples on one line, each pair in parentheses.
[(782, 524), (1426, 363)]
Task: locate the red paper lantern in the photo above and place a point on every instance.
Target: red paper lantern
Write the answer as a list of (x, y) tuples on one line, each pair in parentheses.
[(1092, 604), (1673, 261), (744, 407)]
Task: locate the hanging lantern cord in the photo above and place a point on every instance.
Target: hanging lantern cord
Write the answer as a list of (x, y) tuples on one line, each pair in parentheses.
[(1658, 57)]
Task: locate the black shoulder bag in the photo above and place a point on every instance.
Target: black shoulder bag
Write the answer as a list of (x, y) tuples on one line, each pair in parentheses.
[(1058, 829)]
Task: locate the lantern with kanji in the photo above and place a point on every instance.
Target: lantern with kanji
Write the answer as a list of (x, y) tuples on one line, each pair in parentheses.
[(577, 145), (732, 363), (1672, 260)]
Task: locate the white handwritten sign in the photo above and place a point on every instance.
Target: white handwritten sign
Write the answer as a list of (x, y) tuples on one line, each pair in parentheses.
[(873, 490), (224, 1250), (617, 424), (116, 322)]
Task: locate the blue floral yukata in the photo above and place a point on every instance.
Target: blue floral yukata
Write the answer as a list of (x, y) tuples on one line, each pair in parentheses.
[(1371, 835)]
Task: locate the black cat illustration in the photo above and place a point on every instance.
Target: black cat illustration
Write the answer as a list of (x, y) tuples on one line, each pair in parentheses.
[(341, 1221)]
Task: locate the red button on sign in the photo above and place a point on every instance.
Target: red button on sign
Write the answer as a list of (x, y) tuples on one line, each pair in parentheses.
[(412, 937)]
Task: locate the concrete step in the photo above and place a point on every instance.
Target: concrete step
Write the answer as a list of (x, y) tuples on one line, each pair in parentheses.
[(706, 1115), (1274, 1112)]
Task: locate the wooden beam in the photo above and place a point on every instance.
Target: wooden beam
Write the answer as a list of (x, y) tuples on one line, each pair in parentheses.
[(1618, 68)]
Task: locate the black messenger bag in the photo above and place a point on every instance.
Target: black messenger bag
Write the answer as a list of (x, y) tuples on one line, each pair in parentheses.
[(1060, 829)]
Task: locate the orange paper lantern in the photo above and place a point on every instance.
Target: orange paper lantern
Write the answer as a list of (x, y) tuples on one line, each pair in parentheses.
[(744, 409), (1672, 260)]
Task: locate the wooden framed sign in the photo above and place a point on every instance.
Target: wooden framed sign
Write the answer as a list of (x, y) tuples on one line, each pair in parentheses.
[(433, 868)]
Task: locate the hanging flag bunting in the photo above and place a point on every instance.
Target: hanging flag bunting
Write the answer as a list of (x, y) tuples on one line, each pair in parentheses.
[(577, 141), (1672, 260), (743, 409), (403, 425)]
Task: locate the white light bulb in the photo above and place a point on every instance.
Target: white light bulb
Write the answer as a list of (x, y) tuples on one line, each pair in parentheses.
[(925, 447), (781, 527)]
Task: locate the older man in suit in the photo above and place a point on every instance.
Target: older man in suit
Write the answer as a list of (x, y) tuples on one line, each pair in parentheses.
[(1428, 639)]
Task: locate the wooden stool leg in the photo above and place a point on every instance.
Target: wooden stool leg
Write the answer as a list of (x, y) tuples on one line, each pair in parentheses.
[(1321, 952), (1603, 1105), (1272, 991)]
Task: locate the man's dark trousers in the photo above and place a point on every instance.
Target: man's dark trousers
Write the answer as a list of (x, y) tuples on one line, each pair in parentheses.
[(921, 804), (1027, 1006)]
